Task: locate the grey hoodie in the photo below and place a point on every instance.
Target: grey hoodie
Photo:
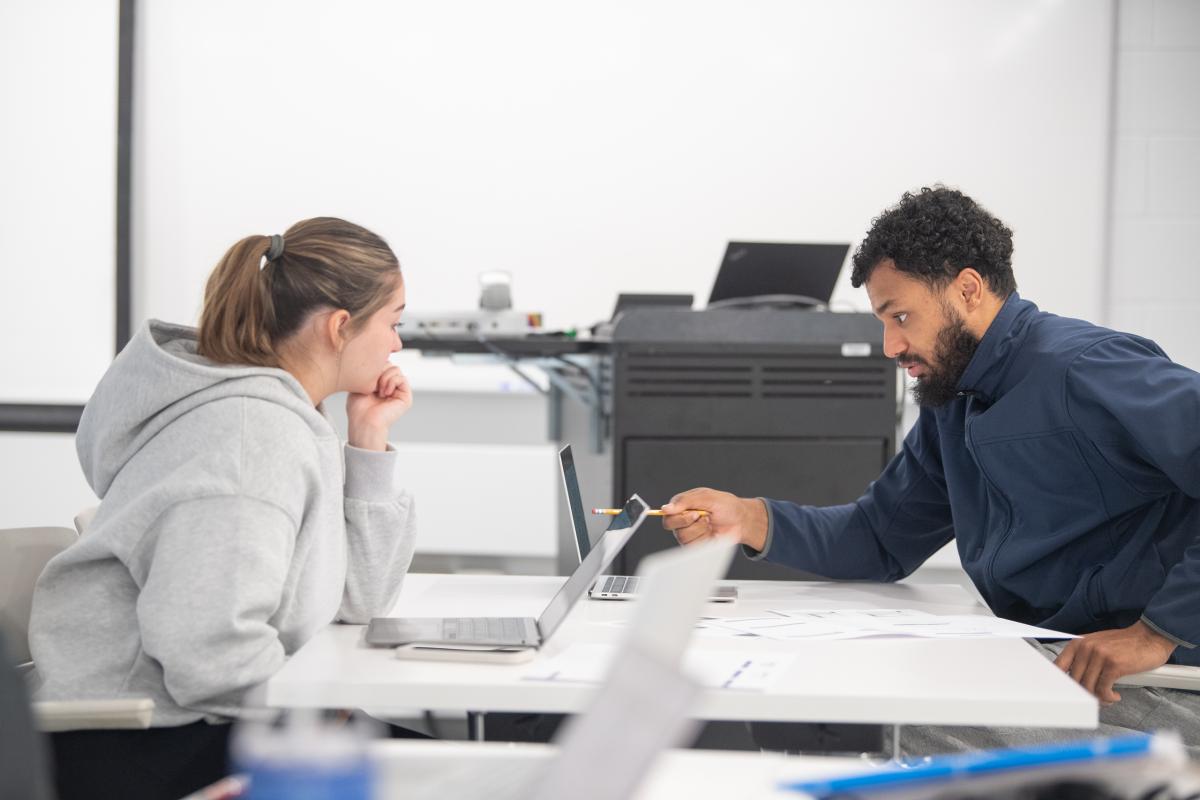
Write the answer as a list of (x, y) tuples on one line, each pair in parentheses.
[(229, 531)]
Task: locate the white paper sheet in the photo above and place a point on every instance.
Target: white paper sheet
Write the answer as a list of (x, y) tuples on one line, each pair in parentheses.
[(588, 663), (845, 623), (780, 627)]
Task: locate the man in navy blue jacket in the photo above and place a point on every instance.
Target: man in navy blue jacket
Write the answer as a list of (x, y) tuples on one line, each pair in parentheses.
[(1063, 457)]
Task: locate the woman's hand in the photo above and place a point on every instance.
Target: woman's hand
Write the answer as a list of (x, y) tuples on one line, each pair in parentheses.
[(371, 415)]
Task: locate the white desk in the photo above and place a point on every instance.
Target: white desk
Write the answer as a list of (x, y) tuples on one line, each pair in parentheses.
[(694, 774), (890, 681)]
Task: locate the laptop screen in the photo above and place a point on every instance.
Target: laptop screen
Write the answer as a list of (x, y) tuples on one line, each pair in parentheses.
[(566, 465), (619, 532), (627, 301), (752, 269)]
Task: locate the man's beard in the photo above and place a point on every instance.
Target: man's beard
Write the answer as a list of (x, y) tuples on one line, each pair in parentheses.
[(953, 351)]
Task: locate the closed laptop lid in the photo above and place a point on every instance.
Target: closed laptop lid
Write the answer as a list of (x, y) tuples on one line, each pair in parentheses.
[(619, 531), (570, 479)]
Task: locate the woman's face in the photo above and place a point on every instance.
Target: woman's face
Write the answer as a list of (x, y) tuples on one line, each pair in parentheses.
[(365, 356)]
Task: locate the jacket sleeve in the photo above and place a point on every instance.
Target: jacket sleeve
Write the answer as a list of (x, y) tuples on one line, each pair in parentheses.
[(381, 532), (903, 518), (212, 575), (1142, 412)]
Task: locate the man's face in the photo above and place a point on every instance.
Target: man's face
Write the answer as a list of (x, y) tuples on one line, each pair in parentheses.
[(923, 331)]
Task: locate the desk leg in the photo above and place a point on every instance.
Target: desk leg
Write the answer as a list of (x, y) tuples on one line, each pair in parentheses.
[(475, 725), (896, 744)]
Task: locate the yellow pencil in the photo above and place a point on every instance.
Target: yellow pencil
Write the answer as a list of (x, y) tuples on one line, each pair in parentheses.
[(654, 512)]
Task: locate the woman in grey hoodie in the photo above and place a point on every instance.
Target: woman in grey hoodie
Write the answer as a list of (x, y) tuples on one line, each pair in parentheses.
[(233, 524)]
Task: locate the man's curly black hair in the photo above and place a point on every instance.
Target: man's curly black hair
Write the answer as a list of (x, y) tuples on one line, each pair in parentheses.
[(933, 235)]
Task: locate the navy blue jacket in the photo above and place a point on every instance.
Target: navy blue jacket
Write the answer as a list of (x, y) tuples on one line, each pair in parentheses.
[(1068, 471)]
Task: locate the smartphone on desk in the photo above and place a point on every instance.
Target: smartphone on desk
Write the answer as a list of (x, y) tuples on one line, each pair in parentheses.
[(479, 653)]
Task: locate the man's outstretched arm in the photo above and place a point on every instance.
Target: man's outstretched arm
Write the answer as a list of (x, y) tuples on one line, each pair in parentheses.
[(901, 520)]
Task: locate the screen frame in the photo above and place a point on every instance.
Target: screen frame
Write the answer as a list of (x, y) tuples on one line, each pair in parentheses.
[(575, 510), (64, 417)]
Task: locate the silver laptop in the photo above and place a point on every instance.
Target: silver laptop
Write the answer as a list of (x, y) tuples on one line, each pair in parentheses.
[(608, 587), (600, 754), (514, 631)]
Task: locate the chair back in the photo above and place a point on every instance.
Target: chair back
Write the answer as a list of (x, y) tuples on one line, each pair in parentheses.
[(23, 555), (84, 518)]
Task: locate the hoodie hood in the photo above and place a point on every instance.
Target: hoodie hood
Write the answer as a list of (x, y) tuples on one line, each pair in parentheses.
[(159, 378)]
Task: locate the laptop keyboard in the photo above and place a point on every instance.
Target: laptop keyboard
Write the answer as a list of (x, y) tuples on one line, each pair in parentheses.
[(619, 584), (484, 628)]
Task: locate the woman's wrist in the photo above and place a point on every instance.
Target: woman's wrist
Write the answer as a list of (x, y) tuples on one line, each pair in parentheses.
[(368, 438)]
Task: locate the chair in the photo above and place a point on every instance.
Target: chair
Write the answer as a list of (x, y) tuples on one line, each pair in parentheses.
[(24, 553), (84, 518)]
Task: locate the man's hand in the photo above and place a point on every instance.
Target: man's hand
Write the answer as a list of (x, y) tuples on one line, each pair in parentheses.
[(728, 515), (1098, 659)]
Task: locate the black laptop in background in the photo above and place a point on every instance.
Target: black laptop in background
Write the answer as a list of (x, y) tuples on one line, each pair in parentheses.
[(629, 300), (777, 274)]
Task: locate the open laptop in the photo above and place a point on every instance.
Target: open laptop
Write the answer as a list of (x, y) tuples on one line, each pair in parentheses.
[(627, 301), (777, 274), (599, 749), (515, 631), (607, 587)]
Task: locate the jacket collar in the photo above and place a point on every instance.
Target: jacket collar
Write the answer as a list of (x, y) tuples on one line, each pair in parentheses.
[(984, 375)]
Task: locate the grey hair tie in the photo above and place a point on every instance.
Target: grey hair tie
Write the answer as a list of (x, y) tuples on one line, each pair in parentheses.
[(276, 248)]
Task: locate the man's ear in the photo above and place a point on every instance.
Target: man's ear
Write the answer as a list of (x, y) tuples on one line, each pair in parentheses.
[(337, 326), (969, 286)]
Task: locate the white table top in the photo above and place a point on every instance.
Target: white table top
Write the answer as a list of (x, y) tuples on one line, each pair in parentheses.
[(896, 681), (694, 774)]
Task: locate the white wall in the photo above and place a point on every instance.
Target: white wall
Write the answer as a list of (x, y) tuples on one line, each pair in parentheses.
[(1155, 283), (41, 480), (592, 152)]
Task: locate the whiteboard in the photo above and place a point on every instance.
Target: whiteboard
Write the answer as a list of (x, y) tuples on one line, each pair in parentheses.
[(592, 149), (58, 147)]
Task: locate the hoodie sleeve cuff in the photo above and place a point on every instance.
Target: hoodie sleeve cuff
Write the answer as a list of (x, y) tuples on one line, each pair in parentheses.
[(759, 555), (1179, 642), (370, 474)]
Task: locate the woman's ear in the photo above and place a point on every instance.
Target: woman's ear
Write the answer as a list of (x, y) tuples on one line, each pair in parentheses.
[(337, 325)]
